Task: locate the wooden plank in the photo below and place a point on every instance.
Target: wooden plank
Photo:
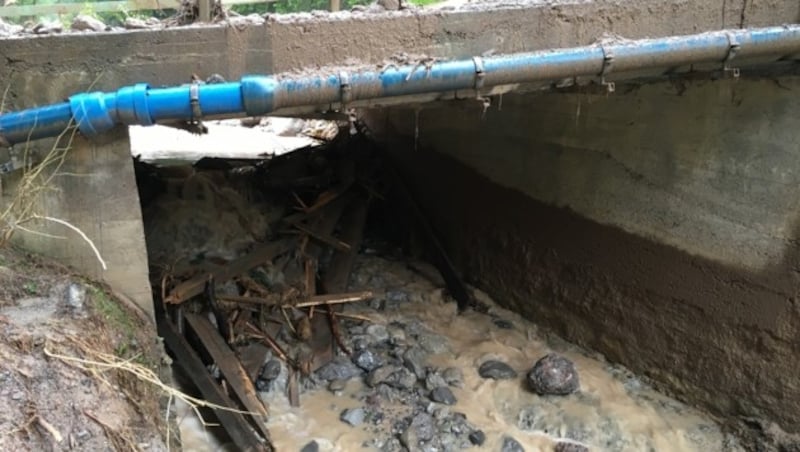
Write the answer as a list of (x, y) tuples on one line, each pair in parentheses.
[(455, 285), (204, 10), (335, 5), (235, 424), (259, 256), (231, 368), (338, 273)]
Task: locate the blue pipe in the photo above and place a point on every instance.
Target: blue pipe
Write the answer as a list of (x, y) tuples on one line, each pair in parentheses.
[(95, 113)]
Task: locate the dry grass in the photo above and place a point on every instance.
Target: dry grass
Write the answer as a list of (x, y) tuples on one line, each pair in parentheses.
[(23, 212)]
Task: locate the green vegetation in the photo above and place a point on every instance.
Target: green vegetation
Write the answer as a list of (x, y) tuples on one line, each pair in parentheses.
[(112, 312), (116, 18)]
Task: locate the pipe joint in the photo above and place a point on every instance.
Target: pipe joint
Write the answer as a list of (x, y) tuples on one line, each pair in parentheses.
[(258, 94), (132, 107), (91, 113)]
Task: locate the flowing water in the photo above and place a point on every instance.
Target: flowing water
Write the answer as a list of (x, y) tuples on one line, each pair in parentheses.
[(613, 410)]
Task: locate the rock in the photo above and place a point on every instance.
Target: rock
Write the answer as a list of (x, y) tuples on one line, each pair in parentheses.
[(433, 380), (414, 359), (83, 22), (367, 360), (454, 377), (337, 385), (313, 446), (396, 335), (401, 379), (43, 28), (444, 395), (393, 445), (497, 370), (152, 21), (378, 333), (397, 296), (359, 343), (420, 429), (570, 447), (340, 368), (389, 5), (477, 437), (134, 23), (353, 416), (9, 29), (503, 324), (271, 370), (380, 375), (553, 375), (511, 445), (433, 343), (76, 296)]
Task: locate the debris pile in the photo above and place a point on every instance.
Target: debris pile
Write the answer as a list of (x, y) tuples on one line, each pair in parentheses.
[(250, 259)]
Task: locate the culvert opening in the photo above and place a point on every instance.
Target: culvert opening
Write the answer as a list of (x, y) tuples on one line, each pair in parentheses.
[(306, 291)]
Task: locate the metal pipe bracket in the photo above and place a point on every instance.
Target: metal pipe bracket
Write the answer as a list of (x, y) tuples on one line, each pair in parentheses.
[(608, 61), (480, 72), (344, 88), (733, 50)]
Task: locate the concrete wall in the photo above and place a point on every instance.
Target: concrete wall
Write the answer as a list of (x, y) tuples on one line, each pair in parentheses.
[(45, 69), (657, 225), (95, 191)]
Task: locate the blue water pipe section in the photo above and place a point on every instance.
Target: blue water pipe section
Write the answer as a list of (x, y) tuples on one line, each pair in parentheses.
[(97, 112)]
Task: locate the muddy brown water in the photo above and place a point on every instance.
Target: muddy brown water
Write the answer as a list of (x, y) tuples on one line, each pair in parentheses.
[(613, 410)]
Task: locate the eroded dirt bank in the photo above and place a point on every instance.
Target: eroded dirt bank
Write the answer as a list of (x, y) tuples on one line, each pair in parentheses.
[(718, 337), (68, 350)]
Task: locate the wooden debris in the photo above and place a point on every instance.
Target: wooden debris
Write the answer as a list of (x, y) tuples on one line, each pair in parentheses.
[(234, 423), (330, 299), (338, 272), (273, 307), (455, 285), (231, 369), (260, 255)]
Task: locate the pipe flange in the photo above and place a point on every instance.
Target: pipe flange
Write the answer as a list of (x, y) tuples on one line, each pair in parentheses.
[(344, 88), (194, 101), (480, 72)]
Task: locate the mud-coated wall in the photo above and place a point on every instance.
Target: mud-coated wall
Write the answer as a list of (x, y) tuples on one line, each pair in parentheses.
[(657, 225)]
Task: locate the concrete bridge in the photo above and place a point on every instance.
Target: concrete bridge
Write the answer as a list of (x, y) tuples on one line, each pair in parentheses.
[(655, 222)]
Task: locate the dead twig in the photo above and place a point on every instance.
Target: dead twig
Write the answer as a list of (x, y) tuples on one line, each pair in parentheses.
[(317, 300), (337, 335)]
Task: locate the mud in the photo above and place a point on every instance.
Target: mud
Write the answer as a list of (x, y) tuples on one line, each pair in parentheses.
[(59, 386), (717, 337)]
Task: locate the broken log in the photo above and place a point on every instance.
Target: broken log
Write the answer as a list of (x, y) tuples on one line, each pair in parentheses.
[(234, 423), (260, 255), (455, 285), (337, 275), (231, 369)]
